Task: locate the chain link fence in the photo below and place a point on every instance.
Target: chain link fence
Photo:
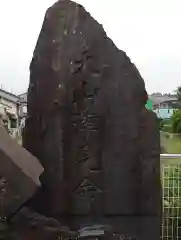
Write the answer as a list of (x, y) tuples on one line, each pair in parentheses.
[(171, 193)]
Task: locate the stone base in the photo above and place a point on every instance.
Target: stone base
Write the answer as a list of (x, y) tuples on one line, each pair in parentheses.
[(138, 227)]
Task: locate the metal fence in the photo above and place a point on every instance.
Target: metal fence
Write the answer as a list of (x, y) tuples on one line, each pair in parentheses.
[(171, 187)]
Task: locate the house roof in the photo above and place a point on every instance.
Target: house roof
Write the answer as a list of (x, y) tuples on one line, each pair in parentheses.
[(10, 96), (161, 99)]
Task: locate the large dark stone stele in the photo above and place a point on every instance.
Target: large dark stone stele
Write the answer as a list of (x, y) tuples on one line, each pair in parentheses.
[(85, 103)]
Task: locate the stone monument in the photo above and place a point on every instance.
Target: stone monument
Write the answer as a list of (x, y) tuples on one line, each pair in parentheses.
[(88, 126)]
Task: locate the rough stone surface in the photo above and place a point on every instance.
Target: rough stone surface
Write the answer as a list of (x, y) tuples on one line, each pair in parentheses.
[(85, 103), (28, 225), (150, 196), (150, 200), (19, 175)]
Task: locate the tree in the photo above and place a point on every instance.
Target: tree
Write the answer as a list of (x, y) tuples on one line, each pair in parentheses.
[(176, 121), (178, 93), (176, 117)]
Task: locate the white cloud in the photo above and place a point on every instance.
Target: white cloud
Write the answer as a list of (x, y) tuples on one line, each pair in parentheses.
[(148, 30)]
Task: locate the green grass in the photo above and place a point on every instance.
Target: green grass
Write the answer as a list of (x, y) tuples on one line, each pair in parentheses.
[(171, 142), (167, 128), (166, 122)]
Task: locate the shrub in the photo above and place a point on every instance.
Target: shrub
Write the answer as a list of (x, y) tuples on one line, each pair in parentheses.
[(176, 121)]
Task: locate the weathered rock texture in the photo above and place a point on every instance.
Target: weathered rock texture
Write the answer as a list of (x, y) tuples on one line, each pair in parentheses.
[(28, 225), (19, 175), (85, 104)]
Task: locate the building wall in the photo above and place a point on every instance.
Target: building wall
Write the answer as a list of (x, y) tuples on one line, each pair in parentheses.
[(13, 112), (9, 105), (164, 113), (23, 110)]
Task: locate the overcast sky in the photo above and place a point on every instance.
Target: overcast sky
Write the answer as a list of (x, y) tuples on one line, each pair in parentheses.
[(148, 30)]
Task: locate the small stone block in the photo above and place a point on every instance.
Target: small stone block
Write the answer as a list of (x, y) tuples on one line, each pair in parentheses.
[(19, 175)]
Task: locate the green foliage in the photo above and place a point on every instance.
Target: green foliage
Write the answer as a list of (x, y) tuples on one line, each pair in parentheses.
[(176, 121), (178, 92)]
